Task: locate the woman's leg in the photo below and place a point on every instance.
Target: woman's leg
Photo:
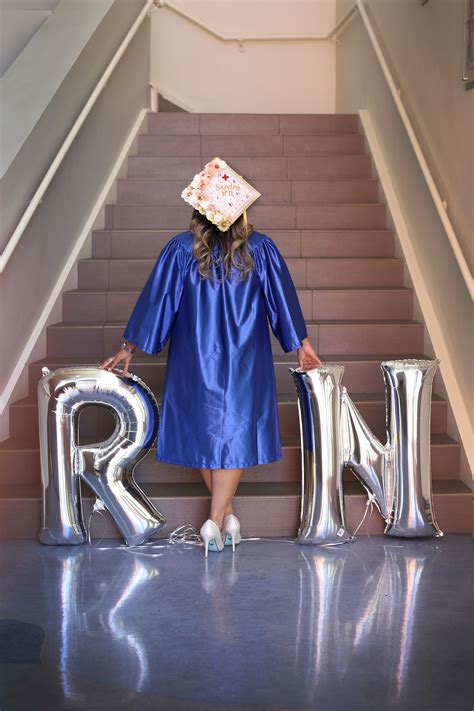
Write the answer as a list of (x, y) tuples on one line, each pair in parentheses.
[(224, 486), (207, 476)]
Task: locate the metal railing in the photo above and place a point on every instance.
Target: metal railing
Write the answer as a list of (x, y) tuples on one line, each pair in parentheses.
[(257, 38)]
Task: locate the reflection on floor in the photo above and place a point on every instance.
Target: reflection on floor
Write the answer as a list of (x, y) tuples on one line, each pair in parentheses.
[(374, 624)]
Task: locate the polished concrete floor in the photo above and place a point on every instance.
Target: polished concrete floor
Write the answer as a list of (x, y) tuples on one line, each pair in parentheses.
[(374, 624)]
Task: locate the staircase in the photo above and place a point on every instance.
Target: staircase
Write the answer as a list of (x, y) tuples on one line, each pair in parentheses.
[(320, 204)]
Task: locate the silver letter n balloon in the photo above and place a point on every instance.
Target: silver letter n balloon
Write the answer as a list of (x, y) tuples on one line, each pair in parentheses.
[(408, 385), (396, 475), (106, 467), (322, 498)]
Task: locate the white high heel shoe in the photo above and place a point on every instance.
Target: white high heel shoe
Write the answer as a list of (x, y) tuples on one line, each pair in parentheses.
[(212, 536), (231, 529)]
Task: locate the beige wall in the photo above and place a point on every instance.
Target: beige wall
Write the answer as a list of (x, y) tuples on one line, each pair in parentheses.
[(424, 44), (41, 105), (207, 74), (360, 84), (35, 76), (47, 242)]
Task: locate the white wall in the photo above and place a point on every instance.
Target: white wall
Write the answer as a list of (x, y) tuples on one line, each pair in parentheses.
[(203, 73)]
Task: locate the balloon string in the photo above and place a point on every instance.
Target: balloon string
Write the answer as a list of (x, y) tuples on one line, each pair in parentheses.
[(182, 534), (189, 534), (368, 504), (185, 534), (98, 506), (262, 538)]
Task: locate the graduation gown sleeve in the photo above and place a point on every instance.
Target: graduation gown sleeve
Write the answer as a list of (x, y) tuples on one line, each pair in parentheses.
[(153, 315), (281, 300)]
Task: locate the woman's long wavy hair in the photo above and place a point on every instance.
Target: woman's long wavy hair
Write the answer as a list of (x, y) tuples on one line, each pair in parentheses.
[(233, 246)]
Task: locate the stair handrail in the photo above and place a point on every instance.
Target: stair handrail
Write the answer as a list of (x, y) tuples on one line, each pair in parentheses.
[(149, 7), (339, 27), (241, 38)]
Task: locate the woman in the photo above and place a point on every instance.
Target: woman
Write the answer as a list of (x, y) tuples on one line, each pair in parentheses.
[(212, 291)]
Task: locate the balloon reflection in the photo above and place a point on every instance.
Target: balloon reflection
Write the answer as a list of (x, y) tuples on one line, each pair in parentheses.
[(97, 618), (348, 614), (326, 617)]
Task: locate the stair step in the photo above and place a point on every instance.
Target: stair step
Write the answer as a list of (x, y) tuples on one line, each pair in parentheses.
[(234, 124), (198, 489), (117, 304), (398, 337), (263, 144), (313, 272), (357, 368), (359, 371), (265, 167), (136, 191), (264, 509), (372, 407), (347, 244), (143, 244), (362, 372), (24, 454), (324, 216)]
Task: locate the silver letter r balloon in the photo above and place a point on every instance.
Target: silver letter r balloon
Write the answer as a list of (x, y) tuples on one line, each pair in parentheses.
[(106, 467)]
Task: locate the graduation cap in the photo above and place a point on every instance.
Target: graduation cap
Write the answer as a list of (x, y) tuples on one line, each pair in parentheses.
[(219, 193)]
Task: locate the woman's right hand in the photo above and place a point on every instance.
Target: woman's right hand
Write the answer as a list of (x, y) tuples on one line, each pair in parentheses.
[(119, 357), (307, 357)]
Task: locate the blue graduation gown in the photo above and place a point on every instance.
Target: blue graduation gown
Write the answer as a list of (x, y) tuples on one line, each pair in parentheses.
[(219, 405)]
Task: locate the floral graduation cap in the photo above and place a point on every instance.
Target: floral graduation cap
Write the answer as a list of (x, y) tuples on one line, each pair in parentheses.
[(219, 193)]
